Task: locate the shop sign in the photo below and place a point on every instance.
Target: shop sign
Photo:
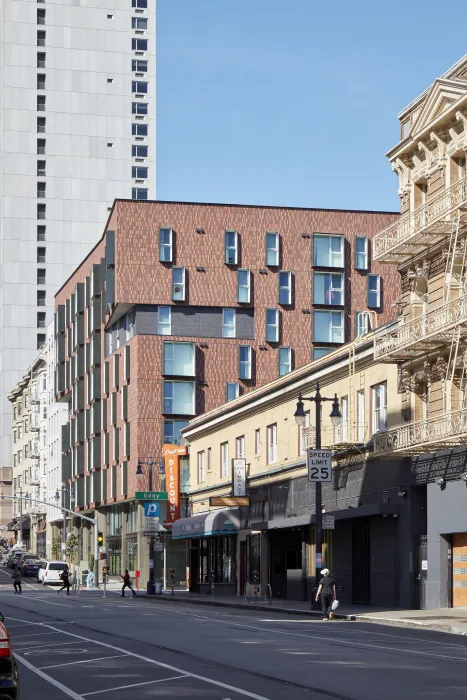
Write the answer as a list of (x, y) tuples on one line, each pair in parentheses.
[(151, 495), (172, 454), (239, 477)]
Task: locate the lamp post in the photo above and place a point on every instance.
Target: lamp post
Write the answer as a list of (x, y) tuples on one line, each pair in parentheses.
[(300, 418), (150, 586)]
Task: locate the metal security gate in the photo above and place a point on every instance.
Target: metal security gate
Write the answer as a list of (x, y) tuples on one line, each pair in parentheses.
[(421, 573), (361, 562)]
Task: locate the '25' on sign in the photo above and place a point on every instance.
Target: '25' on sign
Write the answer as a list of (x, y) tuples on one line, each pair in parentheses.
[(319, 464)]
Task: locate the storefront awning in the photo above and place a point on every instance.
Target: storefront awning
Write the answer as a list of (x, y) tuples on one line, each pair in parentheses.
[(216, 522)]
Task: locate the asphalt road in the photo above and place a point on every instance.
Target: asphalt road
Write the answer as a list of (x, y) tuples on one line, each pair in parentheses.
[(89, 647)]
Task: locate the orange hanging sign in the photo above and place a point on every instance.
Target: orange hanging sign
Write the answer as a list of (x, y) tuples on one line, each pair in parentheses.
[(172, 454)]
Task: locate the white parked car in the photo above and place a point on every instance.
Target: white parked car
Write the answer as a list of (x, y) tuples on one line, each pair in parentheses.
[(50, 571)]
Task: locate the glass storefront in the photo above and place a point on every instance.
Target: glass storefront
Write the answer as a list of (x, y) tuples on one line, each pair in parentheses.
[(114, 555), (132, 553), (217, 556)]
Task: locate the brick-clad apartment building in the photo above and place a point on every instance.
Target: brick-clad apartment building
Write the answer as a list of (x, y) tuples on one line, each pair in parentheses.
[(182, 306)]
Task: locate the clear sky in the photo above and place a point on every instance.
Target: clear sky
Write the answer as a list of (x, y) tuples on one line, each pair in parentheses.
[(292, 103)]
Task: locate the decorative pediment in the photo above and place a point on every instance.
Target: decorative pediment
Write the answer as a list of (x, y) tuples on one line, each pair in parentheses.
[(442, 94)]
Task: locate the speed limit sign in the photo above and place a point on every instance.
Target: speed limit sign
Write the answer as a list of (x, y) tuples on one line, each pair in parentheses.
[(319, 464)]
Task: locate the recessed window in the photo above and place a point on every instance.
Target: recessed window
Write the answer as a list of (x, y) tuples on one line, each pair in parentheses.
[(141, 4), (328, 327), (139, 151), (41, 125), (361, 253), (41, 60), (139, 44), (178, 283), (257, 441), (41, 168), (139, 173), (285, 361), (40, 255), (110, 16), (40, 16), (179, 398), (41, 81), (179, 359), (271, 433), (41, 319), (224, 459), (40, 340), (139, 86), (328, 288), (139, 193), (139, 66), (200, 457), (272, 249), (228, 323), (285, 288), (321, 352), (41, 103), (243, 286), (272, 325), (139, 129), (41, 276), (41, 233), (140, 108), (244, 361), (374, 291), (233, 391), (164, 321), (110, 80), (110, 144), (240, 447), (41, 190), (139, 23), (328, 251), (41, 297), (41, 146), (41, 211), (41, 37), (231, 247), (165, 244), (362, 323), (379, 406)]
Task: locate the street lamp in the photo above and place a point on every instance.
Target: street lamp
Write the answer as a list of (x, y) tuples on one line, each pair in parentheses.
[(300, 418)]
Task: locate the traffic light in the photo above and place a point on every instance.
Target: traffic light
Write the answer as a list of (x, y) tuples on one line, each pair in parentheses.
[(100, 539)]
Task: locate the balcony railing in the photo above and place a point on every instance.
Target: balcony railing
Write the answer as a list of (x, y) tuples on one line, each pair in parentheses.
[(424, 227), (346, 435), (434, 433), (424, 333)]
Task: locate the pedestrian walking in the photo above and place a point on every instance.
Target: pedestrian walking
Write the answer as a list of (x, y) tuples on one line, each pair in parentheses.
[(90, 581), (327, 592), (65, 577), (16, 576), (127, 583)]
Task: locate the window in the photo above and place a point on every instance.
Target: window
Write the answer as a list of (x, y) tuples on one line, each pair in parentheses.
[(14, 435), (41, 103), (344, 426), (139, 129), (179, 398), (362, 323), (209, 459), (41, 168), (41, 319), (271, 432), (225, 459), (41, 233), (140, 108), (231, 247), (328, 327), (41, 60), (165, 245), (138, 86), (200, 467), (139, 23), (321, 352), (328, 288), (179, 359), (40, 297), (374, 291), (164, 325), (26, 403), (328, 251), (244, 354), (233, 391), (26, 451), (41, 276), (379, 406), (285, 361), (41, 81), (257, 441), (285, 287), (272, 325), (361, 253), (228, 323), (20, 432), (41, 146), (41, 255), (41, 190), (40, 16), (240, 447), (172, 430), (272, 249), (243, 286), (41, 210), (139, 66), (139, 44), (41, 37), (40, 340), (178, 284), (142, 4), (139, 193), (15, 412), (139, 173), (138, 151), (303, 434)]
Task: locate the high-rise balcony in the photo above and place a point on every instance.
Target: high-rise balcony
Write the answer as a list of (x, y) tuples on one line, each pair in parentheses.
[(435, 433), (424, 334), (421, 229)]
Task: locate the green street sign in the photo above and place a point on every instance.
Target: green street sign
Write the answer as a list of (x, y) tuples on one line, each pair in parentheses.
[(151, 495)]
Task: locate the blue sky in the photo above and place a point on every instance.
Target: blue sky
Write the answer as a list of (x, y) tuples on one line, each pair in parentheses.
[(291, 103)]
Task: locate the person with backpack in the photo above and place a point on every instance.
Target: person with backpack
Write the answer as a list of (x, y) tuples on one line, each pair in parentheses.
[(16, 576), (127, 583), (65, 577), (327, 592)]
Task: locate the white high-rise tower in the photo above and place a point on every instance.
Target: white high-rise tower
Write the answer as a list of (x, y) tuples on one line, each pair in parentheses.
[(77, 130)]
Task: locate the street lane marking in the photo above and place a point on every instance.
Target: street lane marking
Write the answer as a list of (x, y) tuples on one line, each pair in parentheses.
[(46, 646), (210, 681), (83, 661), (134, 685), (27, 636), (49, 679)]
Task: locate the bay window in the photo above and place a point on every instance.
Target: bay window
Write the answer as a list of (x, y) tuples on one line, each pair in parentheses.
[(328, 327), (233, 391), (165, 245), (243, 286), (179, 398), (374, 291), (285, 361), (244, 354), (328, 288), (272, 325), (361, 253), (178, 284), (285, 287), (179, 359), (231, 247), (272, 249), (328, 251)]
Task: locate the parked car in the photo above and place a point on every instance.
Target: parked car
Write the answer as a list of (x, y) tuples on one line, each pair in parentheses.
[(29, 565), (5, 557), (9, 675), (50, 571), (26, 555)]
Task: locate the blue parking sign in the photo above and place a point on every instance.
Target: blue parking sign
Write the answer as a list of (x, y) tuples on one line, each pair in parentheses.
[(151, 510)]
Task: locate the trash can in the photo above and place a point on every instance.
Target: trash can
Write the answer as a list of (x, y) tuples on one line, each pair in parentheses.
[(158, 588), (151, 588)]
